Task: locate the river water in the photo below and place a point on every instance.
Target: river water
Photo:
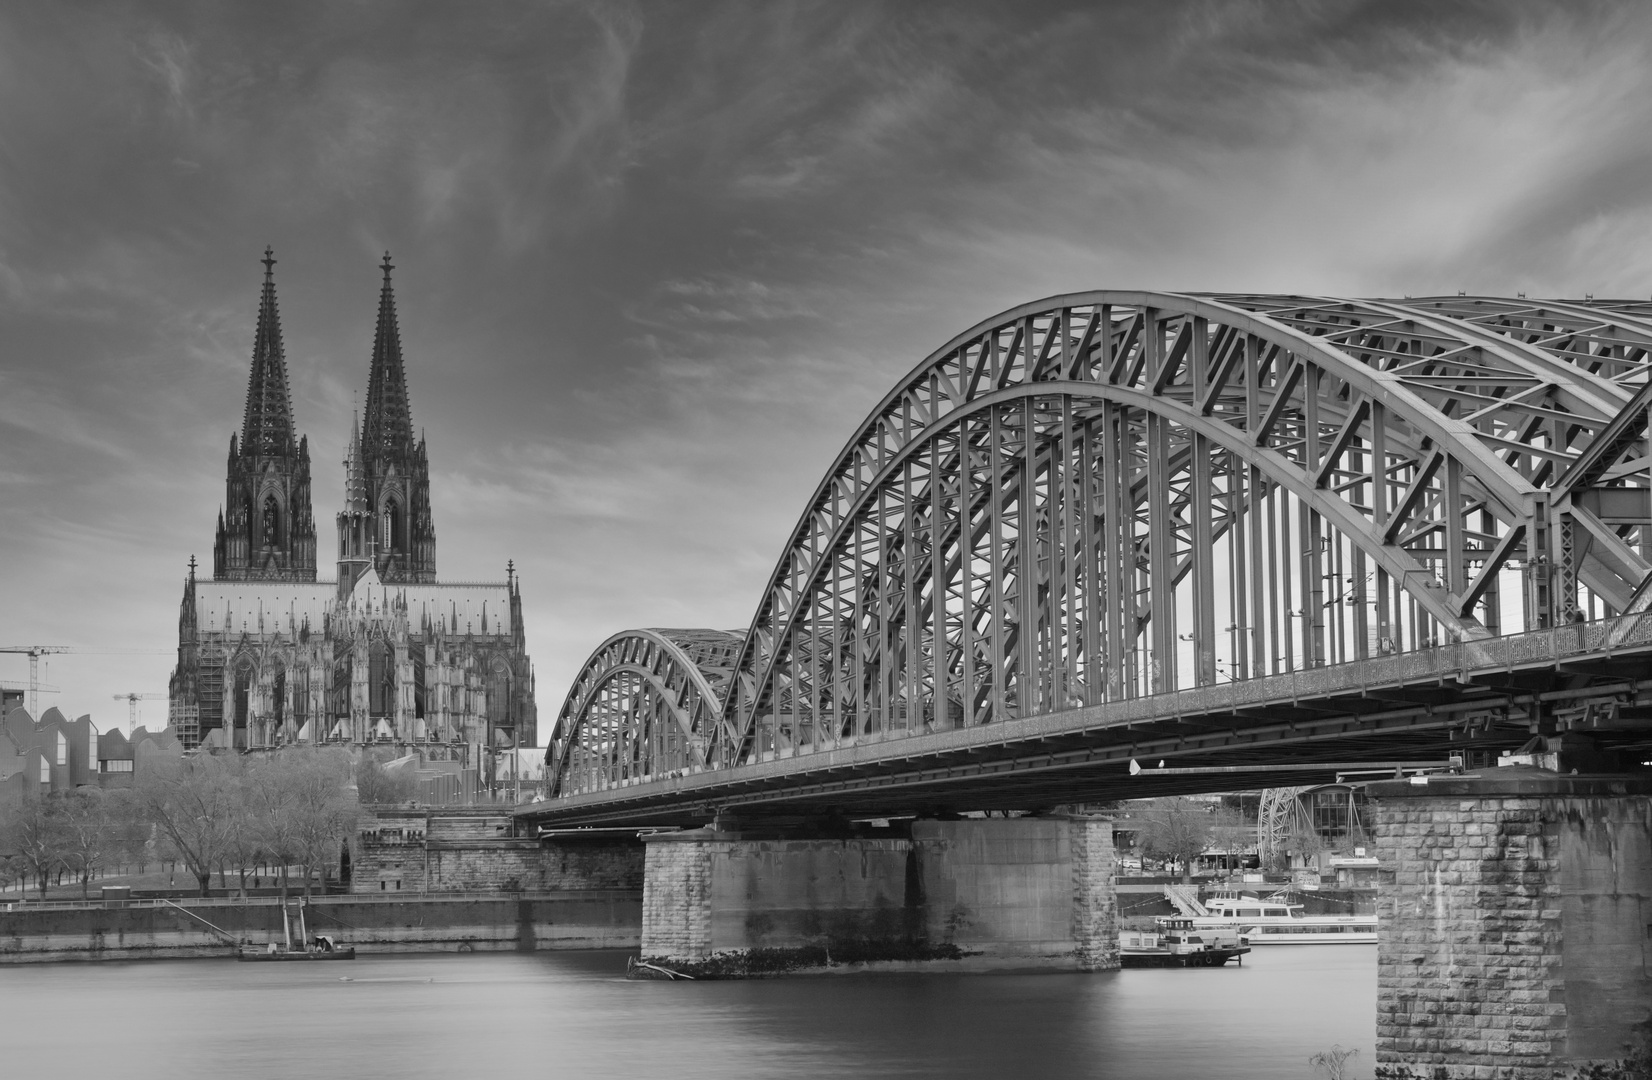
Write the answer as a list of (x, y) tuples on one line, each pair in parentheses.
[(572, 1014)]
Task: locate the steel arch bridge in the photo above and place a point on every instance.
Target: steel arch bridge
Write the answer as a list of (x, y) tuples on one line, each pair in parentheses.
[(1115, 505)]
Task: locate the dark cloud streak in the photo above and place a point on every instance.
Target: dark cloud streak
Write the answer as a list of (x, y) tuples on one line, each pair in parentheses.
[(655, 261)]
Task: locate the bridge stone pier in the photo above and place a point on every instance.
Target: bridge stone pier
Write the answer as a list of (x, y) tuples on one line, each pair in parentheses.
[(1002, 892), (1514, 924)]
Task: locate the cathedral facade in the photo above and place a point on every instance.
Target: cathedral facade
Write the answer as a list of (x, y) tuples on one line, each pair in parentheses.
[(383, 655)]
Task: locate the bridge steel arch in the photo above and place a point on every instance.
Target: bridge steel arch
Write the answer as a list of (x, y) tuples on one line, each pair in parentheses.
[(1109, 495), (644, 706)]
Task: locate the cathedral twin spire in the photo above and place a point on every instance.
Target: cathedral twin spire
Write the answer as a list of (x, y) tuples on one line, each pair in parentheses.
[(266, 531), (267, 427), (393, 467), (387, 422)]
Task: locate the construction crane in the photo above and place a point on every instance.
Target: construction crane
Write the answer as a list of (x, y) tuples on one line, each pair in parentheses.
[(132, 703), (22, 688), (34, 653)]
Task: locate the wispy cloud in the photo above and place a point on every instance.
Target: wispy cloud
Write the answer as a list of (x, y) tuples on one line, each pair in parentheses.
[(655, 262)]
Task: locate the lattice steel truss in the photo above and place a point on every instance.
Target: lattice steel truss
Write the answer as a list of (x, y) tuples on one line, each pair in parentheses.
[(1116, 494), (646, 704)]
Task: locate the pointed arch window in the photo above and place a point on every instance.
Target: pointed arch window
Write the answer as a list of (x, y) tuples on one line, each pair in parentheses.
[(243, 692), (499, 693), (272, 521), (340, 690), (418, 682), (301, 694), (381, 679), (392, 526), (278, 699)]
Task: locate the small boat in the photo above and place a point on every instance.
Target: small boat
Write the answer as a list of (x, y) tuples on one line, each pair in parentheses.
[(317, 947), (322, 948), (1275, 922), (1175, 942)]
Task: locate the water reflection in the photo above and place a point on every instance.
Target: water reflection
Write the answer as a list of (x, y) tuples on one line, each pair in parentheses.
[(569, 1014)]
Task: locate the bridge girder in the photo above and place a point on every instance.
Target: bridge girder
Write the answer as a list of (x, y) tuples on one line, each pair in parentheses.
[(1073, 502), (646, 704)]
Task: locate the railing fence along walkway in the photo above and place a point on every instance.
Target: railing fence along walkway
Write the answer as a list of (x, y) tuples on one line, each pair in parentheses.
[(331, 899), (1186, 899)]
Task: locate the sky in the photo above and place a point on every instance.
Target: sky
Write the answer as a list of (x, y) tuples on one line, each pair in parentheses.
[(656, 261)]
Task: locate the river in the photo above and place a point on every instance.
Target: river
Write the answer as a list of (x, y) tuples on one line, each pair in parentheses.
[(571, 1014)]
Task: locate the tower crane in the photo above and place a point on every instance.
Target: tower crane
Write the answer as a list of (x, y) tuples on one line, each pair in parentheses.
[(23, 687), (34, 653), (132, 703)]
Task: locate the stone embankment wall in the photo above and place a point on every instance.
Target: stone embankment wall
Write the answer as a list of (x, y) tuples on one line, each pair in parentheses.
[(466, 848), (1022, 891), (1514, 927), (572, 919), (493, 890)]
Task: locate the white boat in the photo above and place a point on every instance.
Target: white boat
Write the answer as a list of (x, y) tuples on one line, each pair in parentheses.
[(1275, 922), (1173, 942)]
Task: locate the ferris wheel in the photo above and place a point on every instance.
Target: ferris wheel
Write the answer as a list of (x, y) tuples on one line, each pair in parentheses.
[(1279, 814)]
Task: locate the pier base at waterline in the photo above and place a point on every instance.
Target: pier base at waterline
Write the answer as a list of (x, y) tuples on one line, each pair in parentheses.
[(1514, 925), (750, 896)]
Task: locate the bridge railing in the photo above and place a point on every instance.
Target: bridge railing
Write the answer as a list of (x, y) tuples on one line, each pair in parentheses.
[(1459, 661)]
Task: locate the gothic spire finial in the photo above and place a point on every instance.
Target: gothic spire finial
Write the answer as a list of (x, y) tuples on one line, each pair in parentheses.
[(387, 421), (355, 484), (269, 533), (396, 475), (267, 427)]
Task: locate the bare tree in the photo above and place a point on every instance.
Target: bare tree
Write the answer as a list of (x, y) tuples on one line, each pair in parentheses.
[(1305, 842), (1229, 830), (194, 801), (11, 867), (31, 832), (302, 808), (92, 829), (244, 834), (376, 785), (324, 807), (1333, 1063), (272, 813), (1174, 829)]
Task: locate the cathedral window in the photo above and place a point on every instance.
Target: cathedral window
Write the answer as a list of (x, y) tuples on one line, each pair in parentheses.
[(279, 698), (272, 521), (340, 694), (381, 679), (392, 526), (243, 687), (300, 697), (499, 693), (418, 683)]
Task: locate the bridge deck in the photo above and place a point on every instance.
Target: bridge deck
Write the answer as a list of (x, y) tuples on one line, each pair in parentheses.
[(1477, 695)]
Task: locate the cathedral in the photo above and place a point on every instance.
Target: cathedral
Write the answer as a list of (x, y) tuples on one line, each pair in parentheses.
[(384, 655)]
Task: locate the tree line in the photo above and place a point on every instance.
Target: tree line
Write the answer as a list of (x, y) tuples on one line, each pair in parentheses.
[(206, 812), (1176, 830)]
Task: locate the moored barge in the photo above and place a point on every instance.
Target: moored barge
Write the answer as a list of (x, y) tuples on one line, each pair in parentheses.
[(1175, 942)]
